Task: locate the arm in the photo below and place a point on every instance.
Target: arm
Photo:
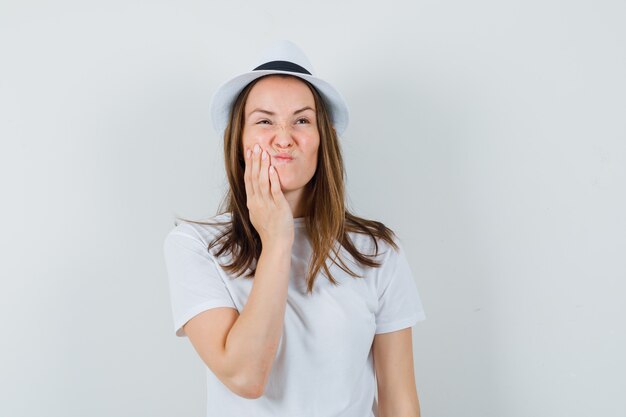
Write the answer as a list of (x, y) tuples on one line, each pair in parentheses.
[(253, 340), (393, 362), (240, 348)]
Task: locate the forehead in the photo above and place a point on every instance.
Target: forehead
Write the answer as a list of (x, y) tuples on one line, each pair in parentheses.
[(280, 91)]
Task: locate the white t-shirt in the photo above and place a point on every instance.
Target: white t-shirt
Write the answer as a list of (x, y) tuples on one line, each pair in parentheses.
[(324, 364)]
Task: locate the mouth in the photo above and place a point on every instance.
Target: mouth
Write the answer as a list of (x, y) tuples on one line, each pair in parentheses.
[(282, 159)]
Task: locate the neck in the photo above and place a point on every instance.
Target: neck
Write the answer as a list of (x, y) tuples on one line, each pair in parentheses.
[(294, 198)]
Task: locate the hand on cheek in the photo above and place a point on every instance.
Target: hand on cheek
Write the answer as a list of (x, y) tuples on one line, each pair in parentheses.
[(269, 211)]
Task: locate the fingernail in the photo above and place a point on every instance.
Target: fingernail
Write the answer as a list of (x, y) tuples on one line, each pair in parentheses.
[(257, 148), (264, 155), (248, 154)]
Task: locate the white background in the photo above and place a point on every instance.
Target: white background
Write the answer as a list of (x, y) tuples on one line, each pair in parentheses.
[(490, 135)]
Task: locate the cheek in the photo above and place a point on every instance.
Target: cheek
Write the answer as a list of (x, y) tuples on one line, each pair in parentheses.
[(245, 139), (312, 158), (252, 136)]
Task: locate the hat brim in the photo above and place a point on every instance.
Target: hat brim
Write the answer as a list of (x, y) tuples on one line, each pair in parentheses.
[(225, 96)]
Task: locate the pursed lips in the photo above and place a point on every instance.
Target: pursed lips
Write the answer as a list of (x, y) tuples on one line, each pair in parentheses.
[(283, 157)]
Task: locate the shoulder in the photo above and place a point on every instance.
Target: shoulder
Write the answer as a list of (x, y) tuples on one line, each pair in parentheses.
[(371, 237), (203, 231), (371, 245)]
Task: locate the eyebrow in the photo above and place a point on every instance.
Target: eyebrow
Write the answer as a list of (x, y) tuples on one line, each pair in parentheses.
[(272, 113)]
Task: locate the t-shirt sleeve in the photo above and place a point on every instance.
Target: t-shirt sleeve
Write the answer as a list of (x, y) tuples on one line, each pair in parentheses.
[(194, 280), (399, 303)]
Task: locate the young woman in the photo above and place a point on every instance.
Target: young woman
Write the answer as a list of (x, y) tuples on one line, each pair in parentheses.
[(296, 306)]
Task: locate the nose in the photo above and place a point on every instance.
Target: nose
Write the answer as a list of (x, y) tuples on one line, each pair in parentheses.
[(283, 137)]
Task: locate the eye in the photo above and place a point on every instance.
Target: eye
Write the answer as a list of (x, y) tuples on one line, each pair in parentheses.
[(263, 122), (303, 120)]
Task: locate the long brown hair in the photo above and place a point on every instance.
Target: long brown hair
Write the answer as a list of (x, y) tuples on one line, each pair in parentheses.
[(327, 220)]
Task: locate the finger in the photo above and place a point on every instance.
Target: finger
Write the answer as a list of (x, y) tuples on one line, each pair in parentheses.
[(254, 173), (246, 173), (277, 193), (264, 182)]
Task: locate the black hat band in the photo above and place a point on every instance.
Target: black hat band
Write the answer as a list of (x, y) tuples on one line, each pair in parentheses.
[(282, 66)]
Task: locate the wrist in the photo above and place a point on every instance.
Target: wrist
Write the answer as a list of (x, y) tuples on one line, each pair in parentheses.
[(277, 247)]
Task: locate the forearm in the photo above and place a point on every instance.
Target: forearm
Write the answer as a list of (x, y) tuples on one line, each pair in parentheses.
[(394, 412), (253, 340), (403, 402)]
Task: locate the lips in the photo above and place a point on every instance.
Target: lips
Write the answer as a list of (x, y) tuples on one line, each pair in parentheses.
[(283, 157)]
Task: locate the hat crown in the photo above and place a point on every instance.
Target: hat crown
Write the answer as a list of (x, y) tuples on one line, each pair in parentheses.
[(284, 50)]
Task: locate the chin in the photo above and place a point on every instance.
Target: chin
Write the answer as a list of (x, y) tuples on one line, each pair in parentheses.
[(286, 188), (289, 186), (292, 180)]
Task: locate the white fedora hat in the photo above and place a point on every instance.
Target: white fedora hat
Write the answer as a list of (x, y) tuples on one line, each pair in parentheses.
[(282, 57)]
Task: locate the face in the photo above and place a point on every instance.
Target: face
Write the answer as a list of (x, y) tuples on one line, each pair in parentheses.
[(280, 116)]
